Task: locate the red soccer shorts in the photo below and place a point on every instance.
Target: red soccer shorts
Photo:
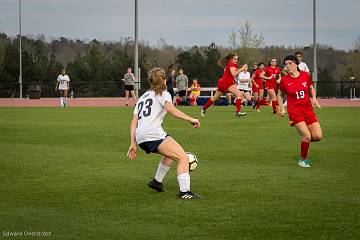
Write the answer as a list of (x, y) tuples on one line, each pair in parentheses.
[(255, 89), (223, 85), (302, 114), (271, 84)]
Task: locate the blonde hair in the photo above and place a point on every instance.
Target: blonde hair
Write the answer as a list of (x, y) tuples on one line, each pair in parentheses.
[(157, 80)]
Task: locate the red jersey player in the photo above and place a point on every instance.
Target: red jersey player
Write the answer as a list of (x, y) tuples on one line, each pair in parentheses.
[(296, 86), (227, 83), (258, 86), (272, 76)]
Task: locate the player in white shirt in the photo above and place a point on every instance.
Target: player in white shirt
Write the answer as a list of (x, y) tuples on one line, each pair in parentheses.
[(62, 85), (147, 132), (303, 67), (244, 84)]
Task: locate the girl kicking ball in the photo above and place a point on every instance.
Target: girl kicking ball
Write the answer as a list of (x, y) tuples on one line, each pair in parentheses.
[(147, 132)]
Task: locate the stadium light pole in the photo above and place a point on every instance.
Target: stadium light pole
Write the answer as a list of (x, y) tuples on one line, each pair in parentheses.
[(314, 46), (136, 58), (20, 52)]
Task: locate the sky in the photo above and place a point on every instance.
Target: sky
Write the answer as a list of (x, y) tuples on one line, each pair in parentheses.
[(186, 22)]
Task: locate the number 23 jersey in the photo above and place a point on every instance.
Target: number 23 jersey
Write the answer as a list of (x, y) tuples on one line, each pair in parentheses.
[(297, 90), (150, 110)]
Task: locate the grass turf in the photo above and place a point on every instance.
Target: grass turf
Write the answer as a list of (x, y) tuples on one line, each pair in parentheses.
[(65, 171)]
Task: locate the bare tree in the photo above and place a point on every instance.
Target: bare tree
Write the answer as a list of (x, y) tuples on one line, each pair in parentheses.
[(233, 40), (248, 39)]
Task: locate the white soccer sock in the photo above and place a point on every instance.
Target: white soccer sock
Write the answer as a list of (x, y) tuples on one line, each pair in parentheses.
[(161, 172), (184, 182), (61, 101), (284, 106)]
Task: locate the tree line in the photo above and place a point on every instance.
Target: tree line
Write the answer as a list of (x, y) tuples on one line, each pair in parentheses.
[(98, 67)]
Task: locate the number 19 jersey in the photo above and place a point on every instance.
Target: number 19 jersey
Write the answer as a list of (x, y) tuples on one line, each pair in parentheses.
[(150, 109), (296, 89)]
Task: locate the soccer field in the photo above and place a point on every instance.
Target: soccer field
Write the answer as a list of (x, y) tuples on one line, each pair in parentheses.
[(65, 171)]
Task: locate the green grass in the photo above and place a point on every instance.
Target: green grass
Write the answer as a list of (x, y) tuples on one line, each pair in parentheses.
[(65, 171)]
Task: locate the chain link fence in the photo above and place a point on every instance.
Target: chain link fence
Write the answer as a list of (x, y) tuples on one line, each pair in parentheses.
[(325, 89)]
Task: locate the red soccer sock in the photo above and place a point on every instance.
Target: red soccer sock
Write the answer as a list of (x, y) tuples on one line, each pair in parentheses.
[(208, 104), (258, 103), (263, 101), (238, 105), (304, 149), (273, 103), (177, 101)]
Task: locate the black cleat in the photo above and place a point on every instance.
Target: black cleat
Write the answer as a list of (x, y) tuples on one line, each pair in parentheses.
[(158, 186), (186, 195)]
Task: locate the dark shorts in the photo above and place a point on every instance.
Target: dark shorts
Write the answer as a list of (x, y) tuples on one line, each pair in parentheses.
[(245, 91), (129, 87), (182, 93), (151, 146)]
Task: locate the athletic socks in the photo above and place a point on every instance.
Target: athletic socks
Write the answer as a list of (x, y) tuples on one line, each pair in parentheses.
[(304, 150), (61, 102), (238, 105), (184, 182), (208, 104), (161, 172), (254, 104), (273, 103), (258, 103)]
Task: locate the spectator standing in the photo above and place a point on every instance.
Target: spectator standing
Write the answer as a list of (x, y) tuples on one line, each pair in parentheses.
[(170, 83), (129, 80), (182, 84), (195, 92)]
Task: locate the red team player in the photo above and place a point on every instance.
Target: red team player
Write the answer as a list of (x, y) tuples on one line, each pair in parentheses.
[(227, 83), (296, 86), (258, 86), (272, 75)]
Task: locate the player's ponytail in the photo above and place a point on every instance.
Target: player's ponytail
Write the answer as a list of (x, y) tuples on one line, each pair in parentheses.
[(157, 80), (223, 61)]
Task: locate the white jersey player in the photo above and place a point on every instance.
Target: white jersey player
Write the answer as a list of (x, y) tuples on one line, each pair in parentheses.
[(62, 85), (147, 132)]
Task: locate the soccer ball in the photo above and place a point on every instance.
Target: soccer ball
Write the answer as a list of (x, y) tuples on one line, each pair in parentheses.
[(193, 162)]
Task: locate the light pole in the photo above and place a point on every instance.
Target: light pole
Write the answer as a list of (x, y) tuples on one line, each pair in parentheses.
[(136, 53), (314, 45), (20, 58)]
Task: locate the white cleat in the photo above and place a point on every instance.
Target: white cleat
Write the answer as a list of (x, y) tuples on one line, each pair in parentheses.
[(304, 163), (202, 113)]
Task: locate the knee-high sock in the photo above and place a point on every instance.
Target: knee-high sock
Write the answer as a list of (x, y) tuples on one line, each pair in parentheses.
[(161, 172), (304, 149), (258, 103), (238, 105), (184, 182), (273, 103), (263, 101), (208, 104)]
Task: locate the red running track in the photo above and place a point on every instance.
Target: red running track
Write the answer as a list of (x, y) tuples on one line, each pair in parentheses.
[(120, 102)]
